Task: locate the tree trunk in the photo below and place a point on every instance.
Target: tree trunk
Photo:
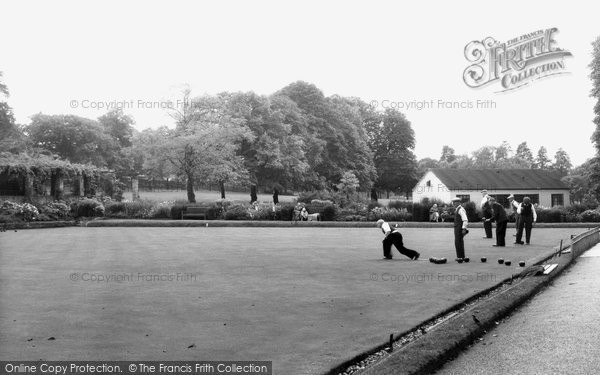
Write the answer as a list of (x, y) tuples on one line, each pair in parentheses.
[(222, 188), (275, 196), (374, 194), (190, 188), (253, 197)]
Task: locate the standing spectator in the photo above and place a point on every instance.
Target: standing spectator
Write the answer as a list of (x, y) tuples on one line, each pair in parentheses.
[(486, 209), (434, 214), (394, 238), (528, 217), (297, 211), (501, 221), (461, 223)]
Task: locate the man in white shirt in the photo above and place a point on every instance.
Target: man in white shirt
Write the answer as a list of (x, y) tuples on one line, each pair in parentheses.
[(393, 237), (528, 216), (461, 222), (515, 207)]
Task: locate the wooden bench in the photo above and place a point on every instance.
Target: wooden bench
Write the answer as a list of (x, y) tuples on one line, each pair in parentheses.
[(195, 212)]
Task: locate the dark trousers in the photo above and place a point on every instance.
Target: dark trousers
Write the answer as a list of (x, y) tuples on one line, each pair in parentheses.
[(518, 220), (487, 225), (501, 233), (395, 238), (527, 223), (459, 242)]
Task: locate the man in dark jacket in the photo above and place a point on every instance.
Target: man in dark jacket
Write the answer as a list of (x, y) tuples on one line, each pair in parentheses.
[(461, 222), (501, 221), (528, 216), (486, 210)]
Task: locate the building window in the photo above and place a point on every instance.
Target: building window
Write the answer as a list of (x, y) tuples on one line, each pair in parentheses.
[(428, 184), (535, 198), (464, 198), (557, 200)]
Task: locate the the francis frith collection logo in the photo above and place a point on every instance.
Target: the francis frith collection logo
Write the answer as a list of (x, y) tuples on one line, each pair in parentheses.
[(514, 63)]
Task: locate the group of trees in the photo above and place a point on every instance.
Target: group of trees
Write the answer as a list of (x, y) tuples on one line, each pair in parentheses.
[(294, 139), (500, 157)]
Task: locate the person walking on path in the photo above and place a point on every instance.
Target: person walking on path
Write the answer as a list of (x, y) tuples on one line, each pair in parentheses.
[(528, 217), (393, 237), (501, 221), (461, 222), (486, 210)]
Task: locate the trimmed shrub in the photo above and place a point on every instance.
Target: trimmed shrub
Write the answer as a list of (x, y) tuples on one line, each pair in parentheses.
[(389, 214), (237, 212), (161, 211), (177, 208), (329, 212), (551, 215), (262, 211), (55, 210), (87, 207), (473, 214), (284, 211), (590, 216)]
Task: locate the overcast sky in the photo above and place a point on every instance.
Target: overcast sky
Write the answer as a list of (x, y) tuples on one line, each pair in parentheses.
[(58, 57)]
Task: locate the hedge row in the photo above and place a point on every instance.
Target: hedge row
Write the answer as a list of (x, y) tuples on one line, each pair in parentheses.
[(328, 210)]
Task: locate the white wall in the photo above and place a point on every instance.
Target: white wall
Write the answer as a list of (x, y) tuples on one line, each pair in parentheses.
[(436, 189)]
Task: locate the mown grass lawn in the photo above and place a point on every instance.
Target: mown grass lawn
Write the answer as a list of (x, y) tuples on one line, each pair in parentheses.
[(305, 298), (205, 196)]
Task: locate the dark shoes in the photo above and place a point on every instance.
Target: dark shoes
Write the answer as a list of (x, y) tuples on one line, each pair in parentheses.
[(416, 257), (520, 243), (496, 245), (387, 258)]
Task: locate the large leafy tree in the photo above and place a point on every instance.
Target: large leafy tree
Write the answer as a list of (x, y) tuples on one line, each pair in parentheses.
[(392, 141), (205, 142), (11, 136), (119, 126), (542, 161), (484, 157), (503, 152), (524, 153), (145, 155), (448, 154), (562, 162), (595, 93), (77, 139), (275, 156), (333, 134)]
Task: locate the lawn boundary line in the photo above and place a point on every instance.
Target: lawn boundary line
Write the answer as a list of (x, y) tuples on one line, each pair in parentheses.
[(294, 224), (101, 222), (486, 295), (434, 348)]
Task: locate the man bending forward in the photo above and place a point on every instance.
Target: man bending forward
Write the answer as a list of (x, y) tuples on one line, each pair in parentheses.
[(393, 237)]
